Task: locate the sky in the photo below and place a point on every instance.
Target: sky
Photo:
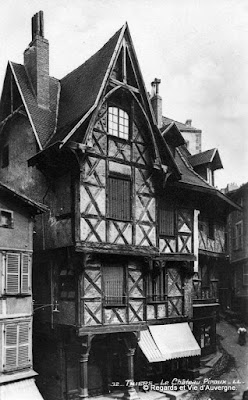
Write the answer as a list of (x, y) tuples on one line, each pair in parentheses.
[(198, 48)]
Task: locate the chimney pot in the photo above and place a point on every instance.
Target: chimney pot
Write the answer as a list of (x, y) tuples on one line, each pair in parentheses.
[(38, 25), (188, 122), (155, 85), (156, 101), (36, 61)]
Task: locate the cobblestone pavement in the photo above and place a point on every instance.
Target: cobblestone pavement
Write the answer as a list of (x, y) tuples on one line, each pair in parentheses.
[(237, 375)]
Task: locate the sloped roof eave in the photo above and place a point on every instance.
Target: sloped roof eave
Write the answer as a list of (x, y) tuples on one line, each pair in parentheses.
[(24, 102), (213, 191), (24, 199)]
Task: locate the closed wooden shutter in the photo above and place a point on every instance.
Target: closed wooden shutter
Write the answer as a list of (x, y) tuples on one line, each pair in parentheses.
[(17, 345), (119, 198), (25, 273), (113, 285), (11, 341), (166, 222), (23, 348), (12, 273)]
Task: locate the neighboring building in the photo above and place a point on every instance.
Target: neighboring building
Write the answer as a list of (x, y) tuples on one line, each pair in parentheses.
[(191, 135), (16, 249), (117, 253), (238, 250)]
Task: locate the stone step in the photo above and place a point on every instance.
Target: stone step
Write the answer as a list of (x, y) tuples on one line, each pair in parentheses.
[(202, 372), (177, 395), (214, 360)]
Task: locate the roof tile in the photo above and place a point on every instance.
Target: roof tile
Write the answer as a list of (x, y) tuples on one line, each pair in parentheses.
[(79, 89), (44, 120)]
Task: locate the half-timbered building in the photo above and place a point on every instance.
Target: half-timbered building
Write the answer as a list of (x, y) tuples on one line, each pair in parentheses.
[(116, 254), (211, 289)]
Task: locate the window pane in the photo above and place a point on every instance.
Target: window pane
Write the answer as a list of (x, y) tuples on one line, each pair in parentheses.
[(118, 122)]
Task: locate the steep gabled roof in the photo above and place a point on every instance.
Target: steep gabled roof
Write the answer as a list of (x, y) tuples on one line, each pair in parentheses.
[(80, 88), (42, 120), (34, 206), (189, 178), (85, 88), (206, 157)]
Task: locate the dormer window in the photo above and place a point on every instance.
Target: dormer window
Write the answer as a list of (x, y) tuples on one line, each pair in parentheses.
[(118, 123)]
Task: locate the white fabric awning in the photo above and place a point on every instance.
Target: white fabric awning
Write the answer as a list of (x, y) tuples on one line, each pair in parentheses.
[(21, 390), (167, 342)]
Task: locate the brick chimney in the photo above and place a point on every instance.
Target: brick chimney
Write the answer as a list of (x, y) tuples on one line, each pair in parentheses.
[(36, 61), (156, 101)]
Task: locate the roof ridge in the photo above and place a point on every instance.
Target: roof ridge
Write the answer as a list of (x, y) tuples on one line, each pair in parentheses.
[(182, 123), (57, 115), (204, 151)]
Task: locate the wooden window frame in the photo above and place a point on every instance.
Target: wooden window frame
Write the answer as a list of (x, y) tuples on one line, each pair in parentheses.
[(211, 229), (108, 301), (157, 287), (118, 132), (17, 274), (67, 277), (10, 224), (237, 237), (245, 275), (205, 283), (110, 214), (17, 345)]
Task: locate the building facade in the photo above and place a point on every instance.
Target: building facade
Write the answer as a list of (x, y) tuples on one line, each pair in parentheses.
[(117, 255), (16, 250), (238, 251)]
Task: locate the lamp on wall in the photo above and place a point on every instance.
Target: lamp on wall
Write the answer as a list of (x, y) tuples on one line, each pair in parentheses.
[(42, 306)]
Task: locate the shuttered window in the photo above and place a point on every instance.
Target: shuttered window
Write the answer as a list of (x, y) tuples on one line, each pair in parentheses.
[(17, 345), (245, 275), (119, 198), (13, 264), (18, 273), (166, 222), (113, 280), (237, 236)]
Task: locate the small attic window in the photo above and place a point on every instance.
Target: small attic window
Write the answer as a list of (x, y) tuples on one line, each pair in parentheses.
[(6, 219), (118, 123)]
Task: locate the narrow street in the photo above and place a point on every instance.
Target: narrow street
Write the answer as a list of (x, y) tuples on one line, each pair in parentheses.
[(237, 369)]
